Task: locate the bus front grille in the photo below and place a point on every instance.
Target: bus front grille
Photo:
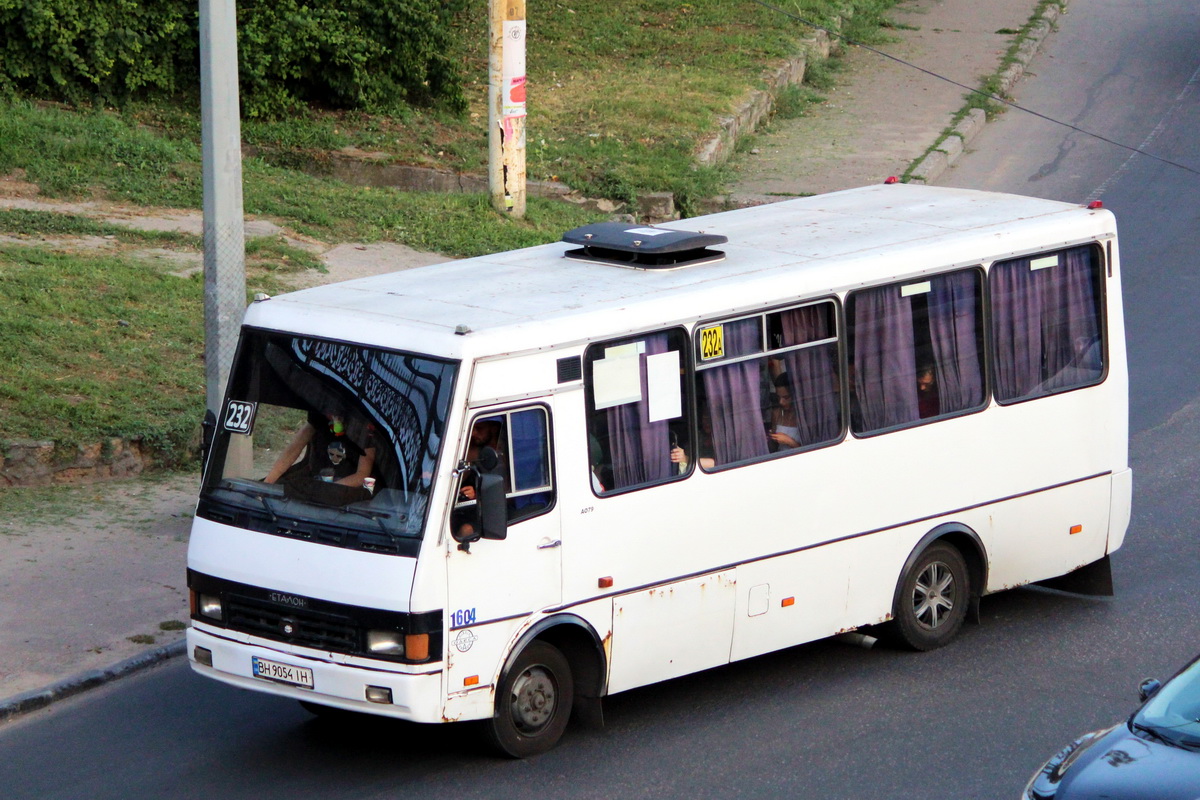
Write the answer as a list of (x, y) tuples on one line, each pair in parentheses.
[(293, 625)]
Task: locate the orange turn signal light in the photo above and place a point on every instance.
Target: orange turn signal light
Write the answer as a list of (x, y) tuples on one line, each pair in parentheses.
[(788, 601), (416, 646), (471, 680), (1076, 529)]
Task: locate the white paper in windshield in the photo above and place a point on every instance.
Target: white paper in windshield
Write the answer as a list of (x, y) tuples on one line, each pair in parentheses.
[(662, 380), (616, 378)]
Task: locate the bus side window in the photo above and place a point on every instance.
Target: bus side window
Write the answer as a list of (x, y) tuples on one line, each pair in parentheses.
[(532, 490), (521, 439), (638, 411), (1047, 327), (768, 384), (916, 351)]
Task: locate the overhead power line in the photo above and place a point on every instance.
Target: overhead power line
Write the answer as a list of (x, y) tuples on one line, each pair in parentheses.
[(974, 90)]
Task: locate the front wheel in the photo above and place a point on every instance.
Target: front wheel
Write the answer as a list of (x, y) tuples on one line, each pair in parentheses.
[(533, 702), (933, 598)]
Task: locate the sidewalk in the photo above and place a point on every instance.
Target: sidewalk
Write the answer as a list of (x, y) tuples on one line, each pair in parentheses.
[(88, 596), (883, 115)]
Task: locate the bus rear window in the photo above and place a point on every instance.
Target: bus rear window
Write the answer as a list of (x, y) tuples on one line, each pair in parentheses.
[(1047, 323)]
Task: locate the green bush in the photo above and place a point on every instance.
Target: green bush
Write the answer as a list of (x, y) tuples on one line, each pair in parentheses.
[(360, 54), (108, 51), (355, 54)]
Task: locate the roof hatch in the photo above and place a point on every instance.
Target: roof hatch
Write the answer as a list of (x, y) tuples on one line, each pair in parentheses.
[(642, 247)]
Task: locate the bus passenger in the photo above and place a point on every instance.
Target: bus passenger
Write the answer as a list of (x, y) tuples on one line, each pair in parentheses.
[(928, 404), (484, 433), (329, 454), (785, 426)]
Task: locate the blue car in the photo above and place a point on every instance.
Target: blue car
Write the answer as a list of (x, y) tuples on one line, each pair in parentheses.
[(1153, 754)]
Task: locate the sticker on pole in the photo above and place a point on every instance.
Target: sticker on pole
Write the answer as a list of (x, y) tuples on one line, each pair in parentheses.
[(512, 70), (239, 417)]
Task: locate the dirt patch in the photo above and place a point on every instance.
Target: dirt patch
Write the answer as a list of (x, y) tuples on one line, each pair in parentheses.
[(90, 575), (342, 261)]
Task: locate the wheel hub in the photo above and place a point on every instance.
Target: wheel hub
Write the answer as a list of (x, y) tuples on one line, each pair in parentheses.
[(933, 595), (534, 699)]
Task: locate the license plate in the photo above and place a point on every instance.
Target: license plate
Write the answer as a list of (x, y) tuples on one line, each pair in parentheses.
[(282, 673)]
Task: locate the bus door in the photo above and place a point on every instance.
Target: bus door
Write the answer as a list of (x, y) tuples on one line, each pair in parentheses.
[(494, 585)]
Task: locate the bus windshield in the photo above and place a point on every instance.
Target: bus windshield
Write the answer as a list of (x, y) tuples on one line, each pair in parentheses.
[(330, 442)]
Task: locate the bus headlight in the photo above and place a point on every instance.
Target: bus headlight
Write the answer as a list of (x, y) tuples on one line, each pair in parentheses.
[(209, 605), (385, 643)]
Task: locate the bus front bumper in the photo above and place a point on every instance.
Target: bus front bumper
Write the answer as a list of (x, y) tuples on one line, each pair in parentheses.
[(416, 697)]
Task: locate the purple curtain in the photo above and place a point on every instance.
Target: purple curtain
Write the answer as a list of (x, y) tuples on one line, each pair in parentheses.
[(812, 373), (734, 396), (954, 334), (1017, 328), (884, 360), (1046, 327), (641, 449), (1072, 330)]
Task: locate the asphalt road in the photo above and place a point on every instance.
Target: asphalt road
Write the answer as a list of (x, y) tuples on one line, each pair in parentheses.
[(825, 720)]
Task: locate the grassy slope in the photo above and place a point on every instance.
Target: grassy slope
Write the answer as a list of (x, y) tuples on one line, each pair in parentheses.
[(110, 345)]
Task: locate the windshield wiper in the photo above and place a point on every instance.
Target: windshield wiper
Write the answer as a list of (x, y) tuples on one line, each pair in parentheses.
[(257, 496), (375, 517), (1154, 733)]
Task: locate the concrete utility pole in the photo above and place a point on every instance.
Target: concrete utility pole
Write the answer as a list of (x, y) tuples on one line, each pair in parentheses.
[(224, 233), (506, 106)]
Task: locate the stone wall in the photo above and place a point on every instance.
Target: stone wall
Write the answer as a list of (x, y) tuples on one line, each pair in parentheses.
[(26, 462)]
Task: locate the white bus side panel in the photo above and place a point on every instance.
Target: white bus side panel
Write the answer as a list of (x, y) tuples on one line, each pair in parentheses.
[(799, 597), (888, 491), (1033, 539), (671, 630)]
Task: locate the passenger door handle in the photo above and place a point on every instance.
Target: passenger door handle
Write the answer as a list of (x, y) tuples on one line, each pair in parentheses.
[(549, 545)]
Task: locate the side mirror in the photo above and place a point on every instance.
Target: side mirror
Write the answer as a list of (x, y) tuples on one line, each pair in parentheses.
[(488, 460), (486, 518), (492, 506), (1148, 688)]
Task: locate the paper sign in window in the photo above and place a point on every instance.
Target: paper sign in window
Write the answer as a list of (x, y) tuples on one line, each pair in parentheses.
[(662, 386), (616, 379), (1043, 263)]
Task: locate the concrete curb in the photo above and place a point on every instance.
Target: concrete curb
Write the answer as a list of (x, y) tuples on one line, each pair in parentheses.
[(948, 149), (40, 698), (717, 147)]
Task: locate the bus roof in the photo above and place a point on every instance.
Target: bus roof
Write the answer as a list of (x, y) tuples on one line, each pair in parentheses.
[(809, 247)]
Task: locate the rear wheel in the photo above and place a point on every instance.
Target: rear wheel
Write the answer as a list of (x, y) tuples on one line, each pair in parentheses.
[(933, 598), (533, 702)]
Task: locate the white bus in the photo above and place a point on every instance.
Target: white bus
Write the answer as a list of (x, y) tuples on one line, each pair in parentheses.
[(525, 481)]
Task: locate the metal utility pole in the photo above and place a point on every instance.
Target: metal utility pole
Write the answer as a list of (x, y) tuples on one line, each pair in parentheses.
[(506, 106), (224, 234)]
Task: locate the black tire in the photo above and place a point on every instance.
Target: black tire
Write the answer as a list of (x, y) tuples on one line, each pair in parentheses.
[(533, 702), (933, 599)]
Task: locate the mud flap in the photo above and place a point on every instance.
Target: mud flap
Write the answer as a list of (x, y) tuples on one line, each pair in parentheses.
[(1090, 579), (588, 712)]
